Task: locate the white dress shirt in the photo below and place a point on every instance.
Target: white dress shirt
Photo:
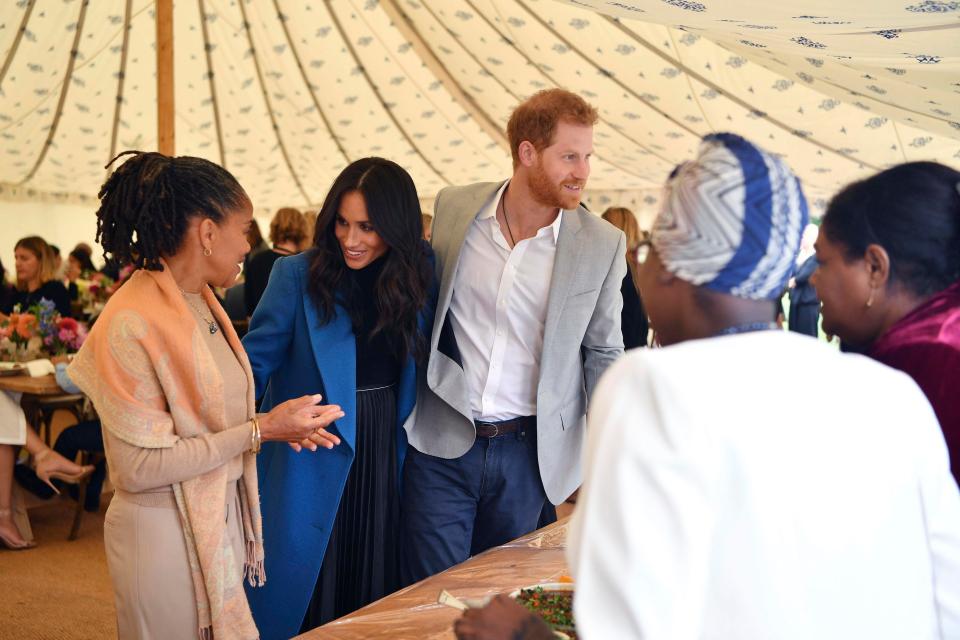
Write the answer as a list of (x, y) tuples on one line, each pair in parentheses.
[(763, 486), (498, 312)]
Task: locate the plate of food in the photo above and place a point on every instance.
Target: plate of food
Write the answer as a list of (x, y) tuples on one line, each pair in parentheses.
[(11, 369), (552, 601)]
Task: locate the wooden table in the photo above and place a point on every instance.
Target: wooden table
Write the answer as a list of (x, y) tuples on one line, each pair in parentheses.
[(40, 386), (42, 397), (413, 613)]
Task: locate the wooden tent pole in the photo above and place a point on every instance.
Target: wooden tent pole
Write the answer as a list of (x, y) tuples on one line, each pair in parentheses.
[(165, 112)]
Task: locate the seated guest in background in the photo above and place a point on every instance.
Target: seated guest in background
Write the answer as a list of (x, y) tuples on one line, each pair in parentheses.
[(427, 226), (710, 512), (47, 464), (173, 388), (79, 265), (309, 229), (349, 317), (36, 279), (58, 267), (85, 248), (633, 318), (257, 244), (287, 231), (889, 279), (6, 290)]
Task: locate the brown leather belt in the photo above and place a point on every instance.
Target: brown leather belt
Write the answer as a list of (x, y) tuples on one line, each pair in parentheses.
[(494, 429)]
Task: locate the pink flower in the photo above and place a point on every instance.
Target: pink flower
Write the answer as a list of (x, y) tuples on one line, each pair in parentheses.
[(68, 324), (66, 335)]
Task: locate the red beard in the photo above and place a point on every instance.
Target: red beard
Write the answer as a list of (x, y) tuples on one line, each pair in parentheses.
[(550, 194)]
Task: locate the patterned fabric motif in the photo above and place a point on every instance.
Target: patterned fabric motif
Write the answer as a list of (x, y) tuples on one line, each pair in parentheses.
[(732, 220), (342, 81)]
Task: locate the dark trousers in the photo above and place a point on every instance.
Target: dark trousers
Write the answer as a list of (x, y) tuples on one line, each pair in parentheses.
[(453, 509), (85, 436)]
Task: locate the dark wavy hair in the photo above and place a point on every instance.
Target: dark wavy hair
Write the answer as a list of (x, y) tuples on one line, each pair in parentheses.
[(147, 202), (81, 256), (913, 212), (402, 287)]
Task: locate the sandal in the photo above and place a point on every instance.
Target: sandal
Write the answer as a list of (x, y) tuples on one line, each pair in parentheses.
[(12, 544), (40, 468)]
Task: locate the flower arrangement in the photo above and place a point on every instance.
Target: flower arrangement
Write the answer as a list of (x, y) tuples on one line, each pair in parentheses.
[(19, 327), (18, 336), (94, 288), (40, 330), (60, 335)]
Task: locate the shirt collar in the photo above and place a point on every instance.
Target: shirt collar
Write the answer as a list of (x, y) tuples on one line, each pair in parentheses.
[(490, 211)]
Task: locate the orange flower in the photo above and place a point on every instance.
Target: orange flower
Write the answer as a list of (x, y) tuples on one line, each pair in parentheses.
[(25, 323)]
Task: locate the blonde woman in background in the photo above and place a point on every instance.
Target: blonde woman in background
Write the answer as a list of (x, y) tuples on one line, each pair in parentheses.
[(288, 231), (633, 319), (36, 277)]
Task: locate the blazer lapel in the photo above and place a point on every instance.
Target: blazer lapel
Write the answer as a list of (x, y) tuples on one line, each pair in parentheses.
[(468, 208), (564, 268), (335, 350)]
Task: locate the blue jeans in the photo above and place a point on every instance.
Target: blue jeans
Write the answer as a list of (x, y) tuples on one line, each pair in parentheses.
[(453, 509)]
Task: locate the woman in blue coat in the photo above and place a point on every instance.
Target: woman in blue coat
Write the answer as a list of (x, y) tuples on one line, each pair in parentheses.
[(349, 319)]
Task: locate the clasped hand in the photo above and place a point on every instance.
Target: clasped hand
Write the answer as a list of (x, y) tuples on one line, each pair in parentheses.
[(302, 423)]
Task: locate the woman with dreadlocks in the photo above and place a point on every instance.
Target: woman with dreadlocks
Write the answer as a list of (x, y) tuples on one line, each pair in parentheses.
[(173, 387)]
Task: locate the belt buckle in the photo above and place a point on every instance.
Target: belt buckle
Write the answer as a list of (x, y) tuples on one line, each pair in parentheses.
[(496, 429)]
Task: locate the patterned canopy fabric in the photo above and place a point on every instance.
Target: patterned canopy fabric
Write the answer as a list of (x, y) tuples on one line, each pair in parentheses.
[(285, 93)]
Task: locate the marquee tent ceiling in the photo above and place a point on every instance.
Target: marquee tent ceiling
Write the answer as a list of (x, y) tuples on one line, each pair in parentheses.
[(284, 93)]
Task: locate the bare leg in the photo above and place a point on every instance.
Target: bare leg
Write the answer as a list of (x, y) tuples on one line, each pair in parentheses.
[(8, 529)]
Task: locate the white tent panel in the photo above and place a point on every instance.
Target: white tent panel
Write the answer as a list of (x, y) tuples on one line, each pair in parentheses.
[(899, 58), (285, 93)]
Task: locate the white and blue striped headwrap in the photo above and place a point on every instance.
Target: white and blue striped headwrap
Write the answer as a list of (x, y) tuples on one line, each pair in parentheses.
[(731, 220)]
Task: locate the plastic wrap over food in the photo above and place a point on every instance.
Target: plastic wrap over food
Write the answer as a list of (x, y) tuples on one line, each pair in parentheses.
[(413, 613)]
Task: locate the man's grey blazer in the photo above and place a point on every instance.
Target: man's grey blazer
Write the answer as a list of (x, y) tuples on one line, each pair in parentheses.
[(581, 339)]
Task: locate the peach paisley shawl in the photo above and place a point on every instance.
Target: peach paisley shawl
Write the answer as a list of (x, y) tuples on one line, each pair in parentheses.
[(153, 381)]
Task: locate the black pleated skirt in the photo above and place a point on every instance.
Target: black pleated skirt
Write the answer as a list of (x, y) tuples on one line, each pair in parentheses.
[(361, 563)]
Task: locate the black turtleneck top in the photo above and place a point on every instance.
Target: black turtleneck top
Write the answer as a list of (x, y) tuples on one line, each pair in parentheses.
[(378, 363)]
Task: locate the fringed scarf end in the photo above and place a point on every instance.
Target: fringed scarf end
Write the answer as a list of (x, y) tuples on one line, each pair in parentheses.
[(253, 565)]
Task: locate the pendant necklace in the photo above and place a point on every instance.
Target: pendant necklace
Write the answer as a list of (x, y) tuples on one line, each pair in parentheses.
[(506, 218), (211, 323)]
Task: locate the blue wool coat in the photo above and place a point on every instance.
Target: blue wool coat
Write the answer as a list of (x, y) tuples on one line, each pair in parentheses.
[(293, 355)]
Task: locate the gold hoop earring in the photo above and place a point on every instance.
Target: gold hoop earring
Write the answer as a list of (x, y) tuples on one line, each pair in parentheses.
[(870, 299), (207, 251)]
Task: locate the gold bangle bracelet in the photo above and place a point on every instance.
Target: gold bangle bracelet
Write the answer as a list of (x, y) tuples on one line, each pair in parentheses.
[(255, 440)]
